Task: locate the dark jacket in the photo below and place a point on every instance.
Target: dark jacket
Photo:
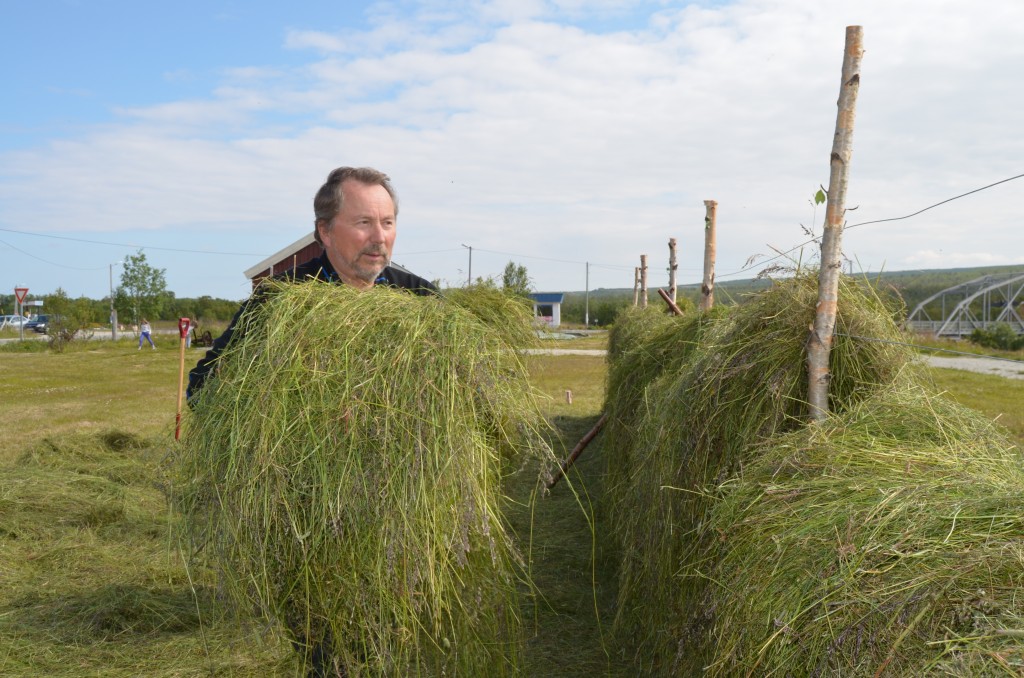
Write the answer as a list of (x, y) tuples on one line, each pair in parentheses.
[(320, 269)]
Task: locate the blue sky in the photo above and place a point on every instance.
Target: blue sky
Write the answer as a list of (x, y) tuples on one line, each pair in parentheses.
[(545, 132)]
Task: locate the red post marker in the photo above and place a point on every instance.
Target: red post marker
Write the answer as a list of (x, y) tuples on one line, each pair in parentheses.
[(183, 327)]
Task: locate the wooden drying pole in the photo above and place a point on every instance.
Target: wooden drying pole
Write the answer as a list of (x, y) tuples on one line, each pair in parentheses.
[(819, 344), (578, 450), (707, 287), (671, 304), (672, 266), (643, 281)]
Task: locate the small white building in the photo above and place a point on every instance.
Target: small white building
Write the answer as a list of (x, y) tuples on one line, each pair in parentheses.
[(547, 307)]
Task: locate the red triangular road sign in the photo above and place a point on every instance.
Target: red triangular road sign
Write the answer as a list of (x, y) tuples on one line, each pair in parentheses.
[(21, 293)]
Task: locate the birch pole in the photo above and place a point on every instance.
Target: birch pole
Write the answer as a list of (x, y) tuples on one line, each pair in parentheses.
[(672, 266), (636, 285), (643, 281), (707, 287), (819, 344)]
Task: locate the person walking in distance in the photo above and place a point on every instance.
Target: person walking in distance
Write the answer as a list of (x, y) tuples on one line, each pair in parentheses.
[(146, 332)]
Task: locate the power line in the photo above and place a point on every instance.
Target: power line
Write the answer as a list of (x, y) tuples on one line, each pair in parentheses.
[(865, 223), (615, 267), (132, 246), (46, 261), (251, 254), (557, 261)]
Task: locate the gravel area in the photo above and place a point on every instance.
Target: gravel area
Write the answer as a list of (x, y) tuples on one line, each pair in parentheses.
[(1002, 368), (564, 351)]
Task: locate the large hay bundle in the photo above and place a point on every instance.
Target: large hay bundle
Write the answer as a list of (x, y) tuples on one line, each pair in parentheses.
[(345, 467), (644, 344), (887, 541), (744, 383), (509, 314)]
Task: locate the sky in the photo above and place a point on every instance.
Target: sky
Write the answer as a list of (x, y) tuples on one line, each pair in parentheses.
[(568, 136)]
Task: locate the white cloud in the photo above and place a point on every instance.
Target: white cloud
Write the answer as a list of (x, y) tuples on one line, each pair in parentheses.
[(509, 127), (317, 40)]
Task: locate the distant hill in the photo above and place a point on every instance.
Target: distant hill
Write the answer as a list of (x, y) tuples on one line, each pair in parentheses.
[(907, 288)]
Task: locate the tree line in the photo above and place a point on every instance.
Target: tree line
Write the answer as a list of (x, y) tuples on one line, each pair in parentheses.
[(142, 293)]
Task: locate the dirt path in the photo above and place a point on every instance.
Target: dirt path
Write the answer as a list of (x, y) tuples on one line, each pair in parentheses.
[(1002, 368)]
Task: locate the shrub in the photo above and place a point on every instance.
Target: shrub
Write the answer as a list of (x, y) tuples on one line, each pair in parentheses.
[(1000, 336)]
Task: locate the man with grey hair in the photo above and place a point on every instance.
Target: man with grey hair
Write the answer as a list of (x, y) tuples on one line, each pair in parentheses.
[(356, 214)]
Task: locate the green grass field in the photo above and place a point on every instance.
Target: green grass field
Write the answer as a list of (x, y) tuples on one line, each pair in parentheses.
[(92, 584)]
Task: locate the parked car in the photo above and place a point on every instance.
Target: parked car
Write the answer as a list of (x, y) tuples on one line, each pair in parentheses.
[(39, 323), (12, 321)]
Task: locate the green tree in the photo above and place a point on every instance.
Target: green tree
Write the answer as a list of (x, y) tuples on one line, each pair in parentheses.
[(515, 280), (68, 317), (143, 289)]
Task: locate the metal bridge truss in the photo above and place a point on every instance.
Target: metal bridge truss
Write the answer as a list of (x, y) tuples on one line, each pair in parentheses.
[(977, 304)]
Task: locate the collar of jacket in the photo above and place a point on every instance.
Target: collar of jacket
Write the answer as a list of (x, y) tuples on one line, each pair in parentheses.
[(330, 275)]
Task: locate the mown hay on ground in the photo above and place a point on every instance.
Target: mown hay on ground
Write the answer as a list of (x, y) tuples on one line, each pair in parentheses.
[(113, 454), (344, 471)]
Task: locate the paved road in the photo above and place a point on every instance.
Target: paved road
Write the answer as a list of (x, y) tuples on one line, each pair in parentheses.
[(982, 364), (101, 335)]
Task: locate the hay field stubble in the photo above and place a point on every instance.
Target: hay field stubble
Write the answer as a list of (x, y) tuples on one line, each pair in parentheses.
[(92, 584)]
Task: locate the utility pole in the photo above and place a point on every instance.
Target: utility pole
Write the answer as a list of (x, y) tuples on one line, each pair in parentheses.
[(113, 311), (586, 305), (469, 275)]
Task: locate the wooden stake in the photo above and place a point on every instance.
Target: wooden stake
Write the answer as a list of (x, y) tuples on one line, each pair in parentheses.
[(707, 287), (643, 281), (668, 300), (183, 327), (636, 286), (672, 266), (578, 450), (819, 344)]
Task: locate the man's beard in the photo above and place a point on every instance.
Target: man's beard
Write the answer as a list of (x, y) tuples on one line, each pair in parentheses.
[(368, 273)]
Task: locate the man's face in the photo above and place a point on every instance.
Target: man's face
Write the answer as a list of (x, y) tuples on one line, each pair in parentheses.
[(361, 236)]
